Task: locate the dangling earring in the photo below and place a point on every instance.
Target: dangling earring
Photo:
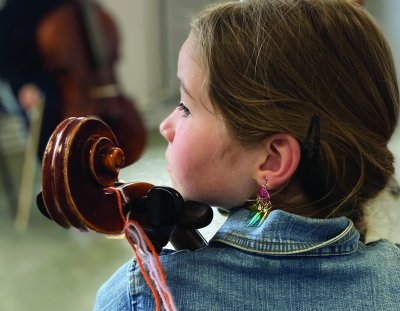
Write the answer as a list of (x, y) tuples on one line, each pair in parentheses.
[(261, 206)]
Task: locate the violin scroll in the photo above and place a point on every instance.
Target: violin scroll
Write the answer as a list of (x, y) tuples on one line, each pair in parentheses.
[(105, 160), (81, 188)]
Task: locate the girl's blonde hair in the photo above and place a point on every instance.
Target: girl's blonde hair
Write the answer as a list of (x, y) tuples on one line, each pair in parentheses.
[(271, 65)]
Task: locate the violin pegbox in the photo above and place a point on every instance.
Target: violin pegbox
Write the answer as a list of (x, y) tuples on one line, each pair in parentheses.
[(82, 157)]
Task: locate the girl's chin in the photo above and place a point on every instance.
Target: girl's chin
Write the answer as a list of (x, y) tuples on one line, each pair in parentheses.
[(176, 186), (182, 192)]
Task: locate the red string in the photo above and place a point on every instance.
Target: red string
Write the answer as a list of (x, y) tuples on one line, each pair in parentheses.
[(144, 272), (119, 202), (138, 257), (157, 259)]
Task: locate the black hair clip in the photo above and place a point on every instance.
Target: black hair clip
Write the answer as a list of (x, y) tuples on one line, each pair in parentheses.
[(312, 150), (310, 163)]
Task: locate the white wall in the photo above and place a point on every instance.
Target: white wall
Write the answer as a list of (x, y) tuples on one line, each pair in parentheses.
[(387, 14), (149, 49), (139, 67)]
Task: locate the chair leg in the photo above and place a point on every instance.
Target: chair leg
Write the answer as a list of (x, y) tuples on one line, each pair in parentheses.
[(29, 169), (8, 183)]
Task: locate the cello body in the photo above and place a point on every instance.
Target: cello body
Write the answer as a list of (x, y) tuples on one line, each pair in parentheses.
[(79, 45)]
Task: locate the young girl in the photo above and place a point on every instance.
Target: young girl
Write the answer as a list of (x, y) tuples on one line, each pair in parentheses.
[(286, 110)]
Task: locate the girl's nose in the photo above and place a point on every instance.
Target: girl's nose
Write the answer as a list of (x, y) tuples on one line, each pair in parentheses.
[(167, 128)]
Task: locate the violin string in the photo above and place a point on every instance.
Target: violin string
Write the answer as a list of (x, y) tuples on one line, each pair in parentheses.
[(136, 236)]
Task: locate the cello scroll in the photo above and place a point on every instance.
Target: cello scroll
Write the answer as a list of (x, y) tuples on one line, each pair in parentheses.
[(82, 160)]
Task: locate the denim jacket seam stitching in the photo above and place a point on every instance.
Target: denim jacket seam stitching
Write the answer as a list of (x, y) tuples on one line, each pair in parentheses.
[(343, 240), (353, 248), (238, 237), (237, 241)]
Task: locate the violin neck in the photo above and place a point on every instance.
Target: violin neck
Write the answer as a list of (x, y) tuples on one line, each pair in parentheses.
[(94, 34)]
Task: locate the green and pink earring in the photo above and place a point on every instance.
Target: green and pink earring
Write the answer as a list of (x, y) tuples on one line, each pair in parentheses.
[(261, 207)]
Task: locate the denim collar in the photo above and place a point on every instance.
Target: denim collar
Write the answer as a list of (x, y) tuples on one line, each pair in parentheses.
[(283, 233)]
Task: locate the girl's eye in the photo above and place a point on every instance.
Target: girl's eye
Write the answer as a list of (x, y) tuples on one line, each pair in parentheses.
[(186, 111)]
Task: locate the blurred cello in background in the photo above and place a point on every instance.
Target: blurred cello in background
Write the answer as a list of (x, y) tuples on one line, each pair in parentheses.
[(79, 44)]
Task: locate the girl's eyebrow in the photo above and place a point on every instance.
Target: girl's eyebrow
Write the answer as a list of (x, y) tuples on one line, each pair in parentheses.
[(184, 88)]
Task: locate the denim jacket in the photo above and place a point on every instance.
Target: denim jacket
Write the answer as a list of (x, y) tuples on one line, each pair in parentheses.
[(288, 263)]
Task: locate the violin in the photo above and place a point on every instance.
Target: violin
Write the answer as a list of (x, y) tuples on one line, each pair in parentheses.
[(80, 189), (78, 42)]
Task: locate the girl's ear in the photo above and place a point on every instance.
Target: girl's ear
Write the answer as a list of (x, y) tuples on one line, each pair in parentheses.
[(280, 160)]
